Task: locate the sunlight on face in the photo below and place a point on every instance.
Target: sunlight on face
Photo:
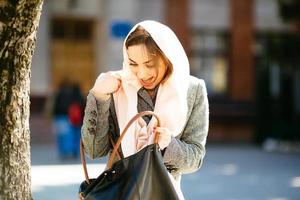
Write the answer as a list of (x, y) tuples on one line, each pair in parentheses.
[(149, 69)]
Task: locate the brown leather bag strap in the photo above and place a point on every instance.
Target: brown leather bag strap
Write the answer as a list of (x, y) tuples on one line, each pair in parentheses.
[(83, 161), (113, 145), (82, 156), (137, 116), (116, 146)]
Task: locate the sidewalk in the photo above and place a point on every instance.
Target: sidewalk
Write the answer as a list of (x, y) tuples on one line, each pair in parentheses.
[(228, 173), (53, 178)]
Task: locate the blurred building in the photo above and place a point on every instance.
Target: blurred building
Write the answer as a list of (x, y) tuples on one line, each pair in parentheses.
[(224, 39)]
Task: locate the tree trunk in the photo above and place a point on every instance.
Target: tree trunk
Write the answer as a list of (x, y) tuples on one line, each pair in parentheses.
[(18, 26)]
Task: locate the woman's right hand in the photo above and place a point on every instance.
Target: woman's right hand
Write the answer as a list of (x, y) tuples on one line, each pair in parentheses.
[(105, 84)]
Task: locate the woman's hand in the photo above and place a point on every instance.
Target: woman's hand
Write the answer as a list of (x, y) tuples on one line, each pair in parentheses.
[(105, 84), (164, 138)]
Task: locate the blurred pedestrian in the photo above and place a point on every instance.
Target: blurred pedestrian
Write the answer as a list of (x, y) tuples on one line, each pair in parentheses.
[(155, 76), (75, 115), (62, 125)]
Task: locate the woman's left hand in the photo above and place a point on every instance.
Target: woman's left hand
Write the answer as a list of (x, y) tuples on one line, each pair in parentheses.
[(164, 138)]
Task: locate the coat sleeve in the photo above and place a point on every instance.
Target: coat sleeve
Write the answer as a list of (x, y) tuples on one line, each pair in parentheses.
[(95, 128), (185, 154)]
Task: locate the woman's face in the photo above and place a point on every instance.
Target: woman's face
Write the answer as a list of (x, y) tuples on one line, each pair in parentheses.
[(149, 69)]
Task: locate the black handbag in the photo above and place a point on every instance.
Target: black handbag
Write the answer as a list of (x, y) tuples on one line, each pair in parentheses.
[(141, 176)]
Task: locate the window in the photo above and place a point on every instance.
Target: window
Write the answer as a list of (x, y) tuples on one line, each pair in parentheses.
[(209, 59), (71, 29)]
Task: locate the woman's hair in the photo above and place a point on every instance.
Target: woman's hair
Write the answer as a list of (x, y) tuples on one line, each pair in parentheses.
[(141, 36)]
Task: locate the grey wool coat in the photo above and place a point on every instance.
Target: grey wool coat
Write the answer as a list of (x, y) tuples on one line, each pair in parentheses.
[(186, 151)]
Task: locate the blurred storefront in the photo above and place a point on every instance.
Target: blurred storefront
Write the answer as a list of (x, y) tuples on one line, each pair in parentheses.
[(229, 43), (278, 77)]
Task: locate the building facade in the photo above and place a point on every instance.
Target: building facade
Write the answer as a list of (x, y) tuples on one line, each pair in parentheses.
[(78, 40)]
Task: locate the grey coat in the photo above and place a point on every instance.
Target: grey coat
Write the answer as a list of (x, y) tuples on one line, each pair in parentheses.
[(184, 154)]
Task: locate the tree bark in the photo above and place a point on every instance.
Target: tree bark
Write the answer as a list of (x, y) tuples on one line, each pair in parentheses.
[(18, 26)]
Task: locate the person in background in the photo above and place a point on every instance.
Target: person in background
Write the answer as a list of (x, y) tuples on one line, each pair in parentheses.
[(155, 77), (75, 114), (68, 116)]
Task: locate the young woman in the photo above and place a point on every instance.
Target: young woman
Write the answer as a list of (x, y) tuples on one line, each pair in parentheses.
[(155, 76)]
